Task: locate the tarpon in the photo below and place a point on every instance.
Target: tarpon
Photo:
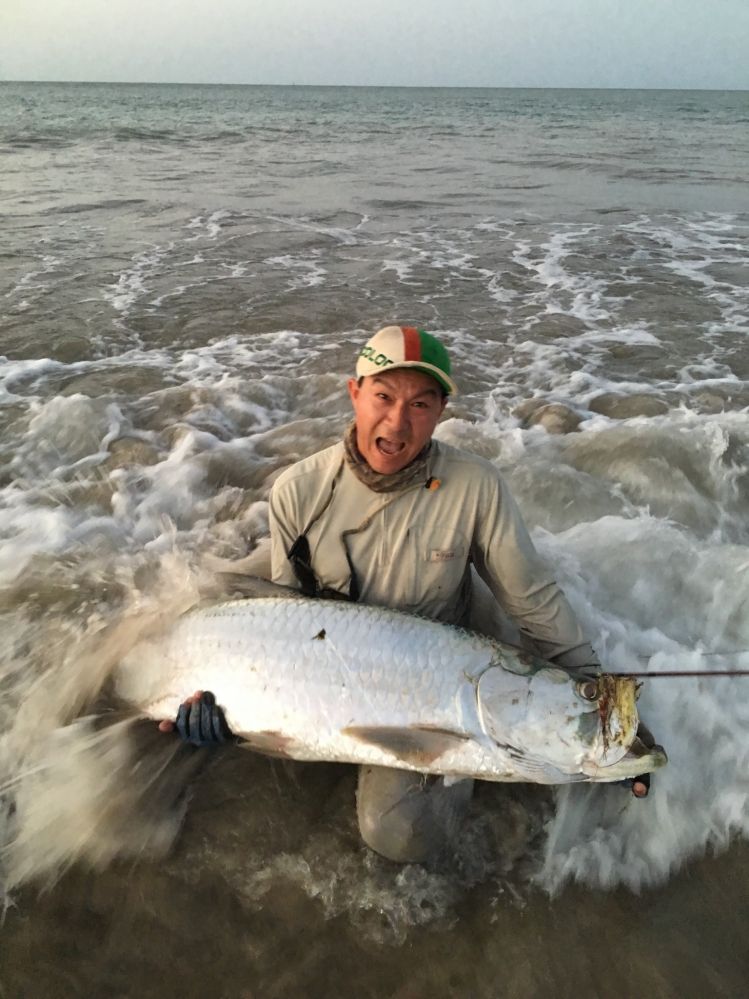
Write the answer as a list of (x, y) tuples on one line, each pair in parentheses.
[(338, 681)]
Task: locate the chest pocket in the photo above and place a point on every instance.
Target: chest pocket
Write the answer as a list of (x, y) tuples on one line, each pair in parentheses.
[(429, 564)]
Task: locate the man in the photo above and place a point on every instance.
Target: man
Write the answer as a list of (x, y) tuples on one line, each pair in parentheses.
[(391, 517)]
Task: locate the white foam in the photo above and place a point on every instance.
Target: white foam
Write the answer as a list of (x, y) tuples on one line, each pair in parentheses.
[(131, 284), (691, 247), (237, 270), (308, 273), (499, 292), (403, 269), (31, 280), (565, 292), (15, 374), (643, 520), (669, 590), (209, 226), (34, 530)]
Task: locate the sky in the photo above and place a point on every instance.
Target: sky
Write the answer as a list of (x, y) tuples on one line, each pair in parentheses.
[(496, 43)]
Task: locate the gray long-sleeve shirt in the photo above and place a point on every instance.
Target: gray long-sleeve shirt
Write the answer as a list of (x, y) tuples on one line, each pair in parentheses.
[(413, 550)]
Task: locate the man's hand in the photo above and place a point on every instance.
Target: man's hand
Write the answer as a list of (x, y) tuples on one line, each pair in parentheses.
[(200, 721), (640, 785)]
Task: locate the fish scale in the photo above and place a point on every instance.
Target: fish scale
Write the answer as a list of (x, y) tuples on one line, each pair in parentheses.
[(336, 681)]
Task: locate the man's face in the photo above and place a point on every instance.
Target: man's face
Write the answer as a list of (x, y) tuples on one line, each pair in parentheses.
[(396, 413)]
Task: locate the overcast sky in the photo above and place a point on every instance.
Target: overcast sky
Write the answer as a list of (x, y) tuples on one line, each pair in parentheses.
[(541, 43)]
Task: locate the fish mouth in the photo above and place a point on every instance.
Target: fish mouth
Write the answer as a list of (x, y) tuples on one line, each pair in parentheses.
[(639, 759), (617, 710)]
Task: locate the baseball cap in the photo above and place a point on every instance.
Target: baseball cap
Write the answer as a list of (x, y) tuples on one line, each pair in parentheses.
[(406, 347)]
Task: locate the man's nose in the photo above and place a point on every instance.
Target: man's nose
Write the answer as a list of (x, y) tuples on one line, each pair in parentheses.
[(398, 417)]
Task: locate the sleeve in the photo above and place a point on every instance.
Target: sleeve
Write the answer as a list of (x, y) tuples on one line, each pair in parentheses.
[(505, 558), (284, 530)]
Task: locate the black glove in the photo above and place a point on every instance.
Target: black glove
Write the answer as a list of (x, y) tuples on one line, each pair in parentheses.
[(645, 736), (202, 723)]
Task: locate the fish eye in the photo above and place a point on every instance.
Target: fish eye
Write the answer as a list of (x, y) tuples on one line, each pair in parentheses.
[(588, 689)]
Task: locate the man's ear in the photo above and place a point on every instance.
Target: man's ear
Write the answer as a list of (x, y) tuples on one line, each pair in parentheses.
[(353, 389)]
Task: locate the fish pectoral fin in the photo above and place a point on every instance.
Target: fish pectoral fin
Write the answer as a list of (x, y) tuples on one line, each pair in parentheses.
[(417, 745)]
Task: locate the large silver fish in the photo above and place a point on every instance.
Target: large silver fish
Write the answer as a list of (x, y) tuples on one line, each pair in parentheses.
[(328, 680)]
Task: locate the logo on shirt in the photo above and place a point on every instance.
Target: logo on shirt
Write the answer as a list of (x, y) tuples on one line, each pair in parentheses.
[(442, 554)]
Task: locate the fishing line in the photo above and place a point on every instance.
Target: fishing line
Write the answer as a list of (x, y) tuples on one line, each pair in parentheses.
[(683, 673), (729, 652), (673, 673)]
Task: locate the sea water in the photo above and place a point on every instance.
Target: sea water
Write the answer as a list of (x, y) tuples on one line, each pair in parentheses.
[(186, 276)]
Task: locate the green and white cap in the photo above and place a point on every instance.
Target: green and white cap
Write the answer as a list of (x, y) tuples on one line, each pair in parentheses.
[(406, 347)]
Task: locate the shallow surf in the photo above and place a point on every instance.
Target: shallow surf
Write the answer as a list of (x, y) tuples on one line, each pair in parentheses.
[(169, 350)]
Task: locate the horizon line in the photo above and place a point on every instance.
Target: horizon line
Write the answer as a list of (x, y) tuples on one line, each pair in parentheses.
[(381, 86)]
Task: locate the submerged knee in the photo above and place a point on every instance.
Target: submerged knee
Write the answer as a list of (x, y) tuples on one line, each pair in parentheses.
[(389, 804), (407, 817), (393, 838)]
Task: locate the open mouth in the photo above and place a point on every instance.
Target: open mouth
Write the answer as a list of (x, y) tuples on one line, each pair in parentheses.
[(389, 448)]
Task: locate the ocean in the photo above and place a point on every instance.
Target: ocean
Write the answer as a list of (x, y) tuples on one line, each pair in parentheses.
[(186, 274)]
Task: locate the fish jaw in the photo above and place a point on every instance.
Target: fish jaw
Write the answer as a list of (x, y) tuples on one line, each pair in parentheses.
[(620, 752), (639, 759)]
